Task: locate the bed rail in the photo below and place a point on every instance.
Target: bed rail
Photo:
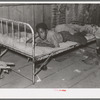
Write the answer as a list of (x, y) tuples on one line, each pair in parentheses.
[(10, 27)]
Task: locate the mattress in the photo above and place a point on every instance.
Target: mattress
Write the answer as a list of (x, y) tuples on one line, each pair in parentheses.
[(39, 51)]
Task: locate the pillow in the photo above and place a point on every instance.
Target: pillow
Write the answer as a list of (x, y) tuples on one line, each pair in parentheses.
[(64, 27)]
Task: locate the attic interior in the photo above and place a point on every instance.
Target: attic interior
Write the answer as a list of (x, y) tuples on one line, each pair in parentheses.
[(73, 62)]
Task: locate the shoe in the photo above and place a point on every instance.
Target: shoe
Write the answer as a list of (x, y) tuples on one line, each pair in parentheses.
[(44, 68)]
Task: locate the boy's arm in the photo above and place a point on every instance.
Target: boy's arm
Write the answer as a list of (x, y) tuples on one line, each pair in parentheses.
[(30, 39), (50, 42), (54, 40)]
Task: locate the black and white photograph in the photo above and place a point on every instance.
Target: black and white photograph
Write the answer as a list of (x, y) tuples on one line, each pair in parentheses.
[(49, 45)]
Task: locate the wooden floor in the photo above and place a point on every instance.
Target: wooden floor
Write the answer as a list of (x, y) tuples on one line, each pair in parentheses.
[(65, 71)]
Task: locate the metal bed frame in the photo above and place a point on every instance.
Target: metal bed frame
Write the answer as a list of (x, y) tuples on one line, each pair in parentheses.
[(5, 26), (12, 23)]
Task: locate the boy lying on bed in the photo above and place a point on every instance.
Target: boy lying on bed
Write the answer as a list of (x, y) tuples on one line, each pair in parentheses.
[(52, 39)]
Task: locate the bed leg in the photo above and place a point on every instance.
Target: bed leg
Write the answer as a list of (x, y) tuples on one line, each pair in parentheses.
[(28, 59), (33, 73), (3, 52)]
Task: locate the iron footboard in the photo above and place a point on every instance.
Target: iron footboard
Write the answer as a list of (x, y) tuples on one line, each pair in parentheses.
[(10, 28)]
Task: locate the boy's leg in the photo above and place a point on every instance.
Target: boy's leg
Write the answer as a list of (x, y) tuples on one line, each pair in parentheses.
[(74, 38), (66, 36), (78, 37)]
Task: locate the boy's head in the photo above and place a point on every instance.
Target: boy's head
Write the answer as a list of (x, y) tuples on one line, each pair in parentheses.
[(41, 29)]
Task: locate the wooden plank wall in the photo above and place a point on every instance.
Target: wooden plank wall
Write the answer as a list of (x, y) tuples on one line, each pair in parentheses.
[(31, 14)]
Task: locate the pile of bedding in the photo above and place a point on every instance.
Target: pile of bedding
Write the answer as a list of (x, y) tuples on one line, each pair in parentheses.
[(74, 28)]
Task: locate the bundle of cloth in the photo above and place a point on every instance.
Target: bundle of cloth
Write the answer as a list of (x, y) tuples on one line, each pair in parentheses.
[(75, 28)]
